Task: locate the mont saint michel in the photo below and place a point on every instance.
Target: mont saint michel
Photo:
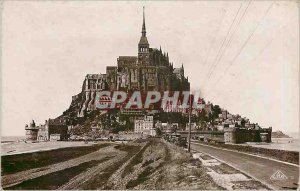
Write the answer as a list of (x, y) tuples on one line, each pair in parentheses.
[(183, 108)]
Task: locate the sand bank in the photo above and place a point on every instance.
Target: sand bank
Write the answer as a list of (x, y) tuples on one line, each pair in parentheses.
[(11, 148)]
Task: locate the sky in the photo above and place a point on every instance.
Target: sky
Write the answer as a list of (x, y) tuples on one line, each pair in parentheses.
[(241, 55)]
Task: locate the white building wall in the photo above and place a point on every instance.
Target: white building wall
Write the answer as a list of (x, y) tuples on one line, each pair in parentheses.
[(145, 126)]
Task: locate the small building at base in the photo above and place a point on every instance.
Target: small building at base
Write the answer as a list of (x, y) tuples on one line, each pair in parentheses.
[(144, 125), (57, 128), (56, 137)]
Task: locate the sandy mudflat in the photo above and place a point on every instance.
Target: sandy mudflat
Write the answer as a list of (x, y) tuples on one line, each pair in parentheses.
[(11, 148), (287, 144)]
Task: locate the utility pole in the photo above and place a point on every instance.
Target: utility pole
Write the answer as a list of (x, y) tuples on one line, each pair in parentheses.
[(190, 112)]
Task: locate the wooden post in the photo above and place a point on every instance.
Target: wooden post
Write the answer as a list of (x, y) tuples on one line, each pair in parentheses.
[(190, 112)]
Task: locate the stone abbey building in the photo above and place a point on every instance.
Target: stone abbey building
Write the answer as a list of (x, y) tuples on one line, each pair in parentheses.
[(150, 70)]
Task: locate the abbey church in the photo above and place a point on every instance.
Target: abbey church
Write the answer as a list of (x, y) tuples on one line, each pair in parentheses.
[(150, 70)]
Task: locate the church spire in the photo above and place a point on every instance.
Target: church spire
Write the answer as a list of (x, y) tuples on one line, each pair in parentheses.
[(144, 25), (143, 44)]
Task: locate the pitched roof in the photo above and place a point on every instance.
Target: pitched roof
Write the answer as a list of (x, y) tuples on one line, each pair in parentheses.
[(143, 40), (177, 71), (127, 58)]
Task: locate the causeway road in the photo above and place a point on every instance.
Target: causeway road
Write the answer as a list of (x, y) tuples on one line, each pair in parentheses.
[(257, 167)]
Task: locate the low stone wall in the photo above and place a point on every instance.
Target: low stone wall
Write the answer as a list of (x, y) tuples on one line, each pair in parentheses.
[(130, 136)]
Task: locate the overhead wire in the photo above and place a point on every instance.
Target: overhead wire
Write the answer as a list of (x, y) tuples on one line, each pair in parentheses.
[(230, 40), (213, 41), (244, 44), (219, 58)]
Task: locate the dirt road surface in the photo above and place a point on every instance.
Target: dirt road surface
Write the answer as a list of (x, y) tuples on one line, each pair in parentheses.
[(141, 164)]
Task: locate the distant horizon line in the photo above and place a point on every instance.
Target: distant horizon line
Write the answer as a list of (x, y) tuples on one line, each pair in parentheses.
[(272, 131)]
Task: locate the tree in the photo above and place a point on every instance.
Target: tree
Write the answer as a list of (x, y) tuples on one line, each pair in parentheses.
[(210, 117), (202, 116), (203, 125), (129, 126), (243, 122), (216, 111), (158, 131), (171, 117)]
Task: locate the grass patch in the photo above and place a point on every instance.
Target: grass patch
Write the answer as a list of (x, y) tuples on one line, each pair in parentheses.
[(56, 179), (224, 169), (251, 185), (206, 157), (138, 158), (101, 179), (141, 178), (15, 163), (147, 162)]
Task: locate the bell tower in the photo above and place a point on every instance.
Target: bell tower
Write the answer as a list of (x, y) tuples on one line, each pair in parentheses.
[(143, 46)]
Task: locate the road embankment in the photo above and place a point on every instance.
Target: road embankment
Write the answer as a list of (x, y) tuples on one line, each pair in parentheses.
[(282, 155), (142, 164)]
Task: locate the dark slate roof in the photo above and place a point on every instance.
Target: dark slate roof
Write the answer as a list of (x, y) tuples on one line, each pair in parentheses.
[(128, 58), (143, 40), (95, 76), (177, 71), (111, 67)]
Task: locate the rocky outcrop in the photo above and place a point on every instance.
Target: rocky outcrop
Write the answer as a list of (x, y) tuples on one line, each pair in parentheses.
[(279, 134)]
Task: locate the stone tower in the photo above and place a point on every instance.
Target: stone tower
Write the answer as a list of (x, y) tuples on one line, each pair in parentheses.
[(31, 131)]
